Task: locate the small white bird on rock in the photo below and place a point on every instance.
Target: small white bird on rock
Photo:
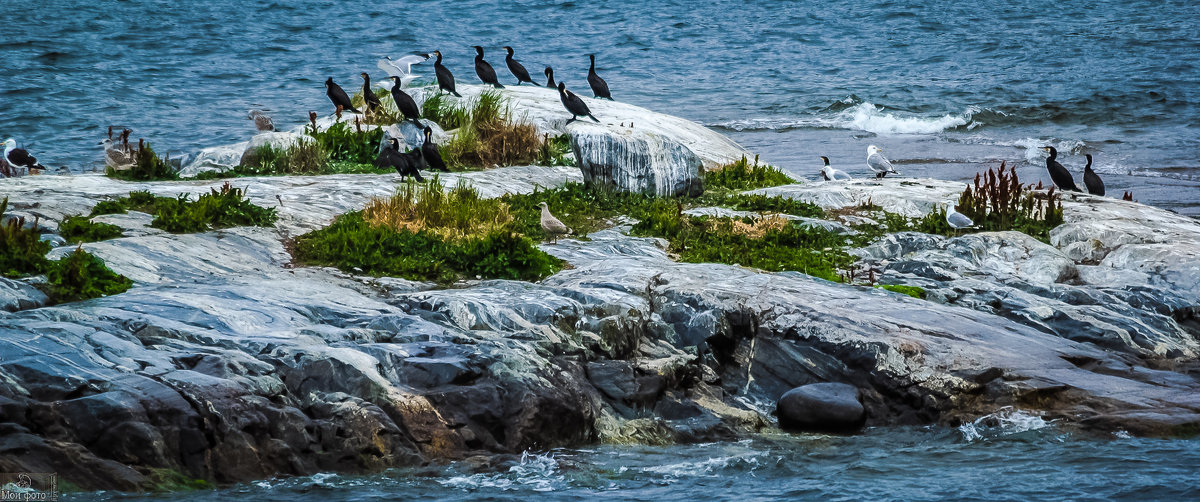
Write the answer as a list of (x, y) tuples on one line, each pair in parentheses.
[(551, 225)]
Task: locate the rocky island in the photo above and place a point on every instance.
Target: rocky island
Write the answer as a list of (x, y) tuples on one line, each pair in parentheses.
[(229, 361)]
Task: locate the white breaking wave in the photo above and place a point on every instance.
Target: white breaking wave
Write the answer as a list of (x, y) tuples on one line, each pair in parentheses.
[(1005, 422), (535, 472), (862, 117)]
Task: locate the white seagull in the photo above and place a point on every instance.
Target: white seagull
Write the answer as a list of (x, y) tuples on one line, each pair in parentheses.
[(957, 220), (878, 163), (831, 174), (402, 67)]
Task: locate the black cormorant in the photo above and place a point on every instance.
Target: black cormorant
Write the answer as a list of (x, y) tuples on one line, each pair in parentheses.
[(599, 86), (370, 100), (550, 78), (433, 158), (516, 68), (338, 96), (444, 77), (1059, 174), (484, 70), (391, 157), (404, 102), (574, 104), (1091, 180)]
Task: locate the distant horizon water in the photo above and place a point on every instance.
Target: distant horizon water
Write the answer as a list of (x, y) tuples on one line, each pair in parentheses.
[(947, 89)]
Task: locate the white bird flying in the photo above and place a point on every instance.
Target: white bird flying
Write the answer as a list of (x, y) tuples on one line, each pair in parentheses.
[(402, 67)]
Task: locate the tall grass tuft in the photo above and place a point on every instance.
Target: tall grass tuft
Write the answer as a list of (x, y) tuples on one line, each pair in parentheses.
[(742, 175), (22, 251), (487, 134), (454, 215)]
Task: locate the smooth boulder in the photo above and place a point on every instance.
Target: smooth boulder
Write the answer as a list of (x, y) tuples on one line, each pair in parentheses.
[(821, 407), (634, 160)]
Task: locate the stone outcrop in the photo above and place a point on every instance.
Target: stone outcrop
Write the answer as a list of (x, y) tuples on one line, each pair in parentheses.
[(636, 161), (821, 407), (227, 362)]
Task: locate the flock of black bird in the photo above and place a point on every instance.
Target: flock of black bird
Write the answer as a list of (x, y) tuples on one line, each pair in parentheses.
[(408, 163), (1062, 177)]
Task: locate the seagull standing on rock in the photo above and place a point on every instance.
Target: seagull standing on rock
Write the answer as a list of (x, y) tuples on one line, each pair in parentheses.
[(551, 225), (878, 163), (18, 157)]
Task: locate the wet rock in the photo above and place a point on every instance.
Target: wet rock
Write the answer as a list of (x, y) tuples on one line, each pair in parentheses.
[(821, 407), (17, 295)]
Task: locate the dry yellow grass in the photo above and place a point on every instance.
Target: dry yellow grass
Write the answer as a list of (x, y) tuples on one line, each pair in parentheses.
[(760, 227), (452, 215)]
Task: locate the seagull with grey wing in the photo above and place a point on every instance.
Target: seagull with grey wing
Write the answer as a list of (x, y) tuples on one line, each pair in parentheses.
[(402, 67), (957, 220), (551, 225), (878, 163)]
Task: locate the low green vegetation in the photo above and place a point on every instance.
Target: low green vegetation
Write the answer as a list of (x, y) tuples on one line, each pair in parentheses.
[(77, 276), (555, 151), (77, 229), (350, 143), (913, 291), (220, 208), (147, 166), (22, 251), (81, 276), (170, 480), (427, 233), (442, 109), (742, 175)]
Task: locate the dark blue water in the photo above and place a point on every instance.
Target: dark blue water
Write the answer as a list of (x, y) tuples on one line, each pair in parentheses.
[(1004, 463), (944, 87)]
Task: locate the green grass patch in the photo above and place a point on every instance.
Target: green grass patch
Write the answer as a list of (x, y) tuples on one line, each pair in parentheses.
[(147, 166), (445, 111), (772, 243), (742, 175), (224, 208), (490, 137), (22, 251), (427, 233), (913, 291), (555, 151), (220, 208), (343, 141), (81, 276), (77, 229)]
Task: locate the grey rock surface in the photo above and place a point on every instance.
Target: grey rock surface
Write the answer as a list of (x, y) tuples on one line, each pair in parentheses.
[(228, 363), (635, 161)]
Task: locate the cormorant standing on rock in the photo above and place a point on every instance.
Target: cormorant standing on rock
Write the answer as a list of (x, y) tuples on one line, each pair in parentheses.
[(444, 77), (484, 70), (599, 86), (404, 102), (370, 100), (433, 158), (573, 103), (518, 70), (338, 96), (878, 163), (550, 78), (391, 156), (1091, 180), (1059, 174)]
